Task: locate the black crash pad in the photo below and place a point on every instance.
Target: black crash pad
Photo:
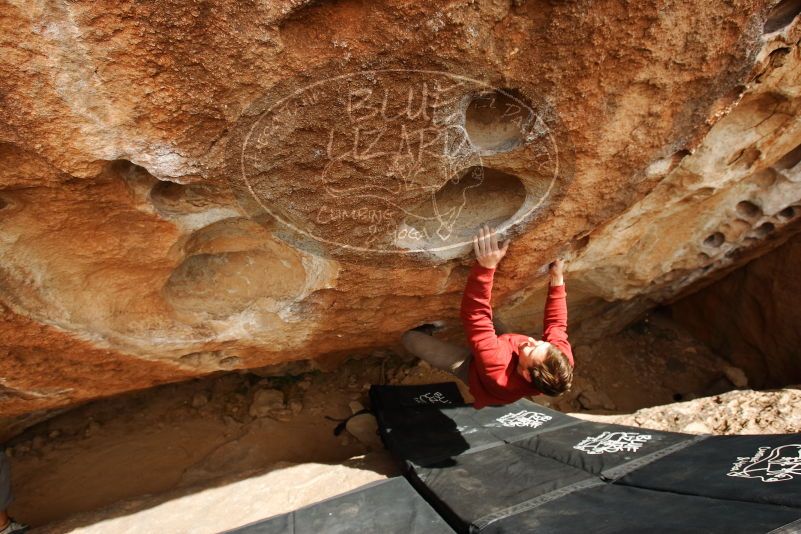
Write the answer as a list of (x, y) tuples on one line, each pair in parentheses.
[(616, 509), (388, 506), (756, 468), (524, 467)]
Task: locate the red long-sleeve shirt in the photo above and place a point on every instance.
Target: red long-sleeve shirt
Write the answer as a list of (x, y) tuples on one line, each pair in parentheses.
[(493, 376)]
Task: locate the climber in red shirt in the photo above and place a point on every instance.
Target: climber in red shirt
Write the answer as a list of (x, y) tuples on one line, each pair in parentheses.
[(500, 369)]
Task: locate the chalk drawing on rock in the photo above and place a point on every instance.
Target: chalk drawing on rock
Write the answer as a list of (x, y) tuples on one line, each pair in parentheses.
[(391, 161)]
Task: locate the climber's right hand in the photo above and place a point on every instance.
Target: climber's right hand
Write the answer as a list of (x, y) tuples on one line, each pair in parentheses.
[(485, 245), (556, 272)]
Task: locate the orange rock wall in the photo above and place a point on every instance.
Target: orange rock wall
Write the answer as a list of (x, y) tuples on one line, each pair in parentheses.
[(163, 164)]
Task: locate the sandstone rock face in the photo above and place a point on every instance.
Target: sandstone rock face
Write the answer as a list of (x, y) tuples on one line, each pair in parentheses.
[(733, 198), (188, 188)]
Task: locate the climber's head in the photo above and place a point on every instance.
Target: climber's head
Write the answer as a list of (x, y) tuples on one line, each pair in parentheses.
[(545, 366)]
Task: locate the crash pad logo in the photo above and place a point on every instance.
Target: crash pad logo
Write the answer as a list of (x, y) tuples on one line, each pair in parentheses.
[(396, 161), (610, 442), (524, 419), (770, 464), (432, 398)]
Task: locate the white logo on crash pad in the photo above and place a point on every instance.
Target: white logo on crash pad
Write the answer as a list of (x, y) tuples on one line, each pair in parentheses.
[(609, 442), (770, 464), (432, 398), (524, 418)]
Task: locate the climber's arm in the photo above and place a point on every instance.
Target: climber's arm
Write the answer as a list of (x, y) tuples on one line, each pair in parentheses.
[(476, 311), (555, 319)]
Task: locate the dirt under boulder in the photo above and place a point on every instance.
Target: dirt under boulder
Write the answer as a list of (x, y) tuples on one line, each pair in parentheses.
[(177, 446), (752, 317)]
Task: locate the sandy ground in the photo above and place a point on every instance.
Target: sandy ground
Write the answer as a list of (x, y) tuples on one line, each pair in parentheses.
[(216, 453), (231, 502), (181, 436)]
